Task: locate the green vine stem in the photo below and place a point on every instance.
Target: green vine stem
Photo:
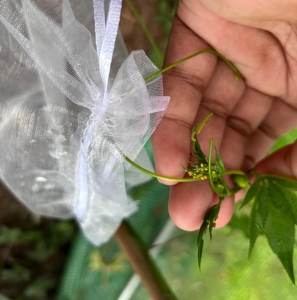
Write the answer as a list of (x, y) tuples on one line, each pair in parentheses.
[(224, 59), (152, 174), (157, 175), (234, 172), (200, 126)]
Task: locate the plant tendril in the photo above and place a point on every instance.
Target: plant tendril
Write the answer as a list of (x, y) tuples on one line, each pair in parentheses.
[(199, 127), (229, 63)]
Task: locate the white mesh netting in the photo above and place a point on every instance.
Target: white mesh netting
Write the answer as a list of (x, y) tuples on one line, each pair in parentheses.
[(65, 105)]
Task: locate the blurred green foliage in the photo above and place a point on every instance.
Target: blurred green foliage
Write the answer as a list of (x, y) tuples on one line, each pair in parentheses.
[(32, 255), (165, 13), (164, 16)]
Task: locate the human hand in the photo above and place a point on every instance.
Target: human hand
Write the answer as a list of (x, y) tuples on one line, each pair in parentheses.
[(260, 38)]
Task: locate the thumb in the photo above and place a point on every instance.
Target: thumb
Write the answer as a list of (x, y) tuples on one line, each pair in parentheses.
[(282, 162)]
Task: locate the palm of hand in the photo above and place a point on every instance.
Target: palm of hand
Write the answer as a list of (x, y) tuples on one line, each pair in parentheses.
[(249, 114)]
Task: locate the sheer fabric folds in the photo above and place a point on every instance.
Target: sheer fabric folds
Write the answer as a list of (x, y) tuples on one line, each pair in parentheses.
[(69, 107)]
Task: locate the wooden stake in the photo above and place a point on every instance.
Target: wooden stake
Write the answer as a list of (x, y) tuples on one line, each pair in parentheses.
[(142, 263)]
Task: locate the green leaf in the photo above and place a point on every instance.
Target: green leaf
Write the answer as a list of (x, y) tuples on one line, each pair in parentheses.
[(200, 156), (253, 228), (274, 213), (288, 189), (219, 163), (283, 182), (250, 195), (258, 216), (213, 216), (200, 241), (280, 230), (291, 198), (209, 221)]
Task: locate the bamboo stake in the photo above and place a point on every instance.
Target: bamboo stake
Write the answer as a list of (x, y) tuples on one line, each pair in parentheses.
[(142, 263)]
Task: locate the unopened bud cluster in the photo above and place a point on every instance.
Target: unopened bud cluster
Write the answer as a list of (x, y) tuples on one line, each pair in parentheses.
[(200, 171)]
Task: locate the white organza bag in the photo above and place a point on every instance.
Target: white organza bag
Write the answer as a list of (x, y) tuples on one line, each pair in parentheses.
[(67, 106)]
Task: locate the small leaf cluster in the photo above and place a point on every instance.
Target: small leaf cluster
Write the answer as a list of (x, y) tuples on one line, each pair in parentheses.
[(213, 169), (274, 210)]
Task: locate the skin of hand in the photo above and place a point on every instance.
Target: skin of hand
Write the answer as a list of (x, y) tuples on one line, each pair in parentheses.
[(260, 38)]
